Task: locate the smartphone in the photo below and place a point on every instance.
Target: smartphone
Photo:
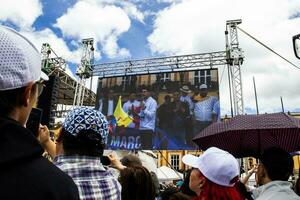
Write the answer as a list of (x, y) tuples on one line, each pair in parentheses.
[(105, 160), (34, 121)]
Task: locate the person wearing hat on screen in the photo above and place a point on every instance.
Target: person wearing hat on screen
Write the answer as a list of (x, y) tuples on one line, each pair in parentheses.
[(186, 98), (214, 175), (24, 173), (83, 138), (205, 109)]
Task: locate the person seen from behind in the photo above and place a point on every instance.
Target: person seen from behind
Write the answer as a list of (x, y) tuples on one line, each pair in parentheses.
[(274, 169), (214, 175), (24, 173), (83, 138), (137, 182)]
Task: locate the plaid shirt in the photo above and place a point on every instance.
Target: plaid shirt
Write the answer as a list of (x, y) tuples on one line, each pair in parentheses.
[(92, 179)]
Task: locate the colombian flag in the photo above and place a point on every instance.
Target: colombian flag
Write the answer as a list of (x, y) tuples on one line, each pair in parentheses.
[(123, 119)]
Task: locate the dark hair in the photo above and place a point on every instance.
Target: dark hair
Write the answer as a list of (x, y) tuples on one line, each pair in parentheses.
[(137, 184), (10, 99), (278, 163), (185, 189), (171, 193), (167, 98), (241, 187), (86, 142), (131, 160)]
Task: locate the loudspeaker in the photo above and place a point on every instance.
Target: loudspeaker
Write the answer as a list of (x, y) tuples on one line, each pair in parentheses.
[(48, 101)]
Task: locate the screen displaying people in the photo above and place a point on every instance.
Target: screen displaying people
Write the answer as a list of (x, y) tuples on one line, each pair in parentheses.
[(165, 114)]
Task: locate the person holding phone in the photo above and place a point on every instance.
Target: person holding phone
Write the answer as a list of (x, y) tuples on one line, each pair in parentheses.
[(24, 173)]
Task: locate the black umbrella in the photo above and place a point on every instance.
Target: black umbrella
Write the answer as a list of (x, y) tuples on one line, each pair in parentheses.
[(249, 135)]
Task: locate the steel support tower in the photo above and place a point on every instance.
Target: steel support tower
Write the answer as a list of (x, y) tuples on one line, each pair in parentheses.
[(234, 61), (53, 65), (84, 70)]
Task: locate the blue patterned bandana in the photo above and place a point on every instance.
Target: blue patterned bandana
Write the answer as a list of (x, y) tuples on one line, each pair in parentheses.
[(83, 118)]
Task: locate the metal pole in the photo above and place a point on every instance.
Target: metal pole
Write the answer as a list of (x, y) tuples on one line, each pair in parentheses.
[(230, 95), (257, 111), (282, 107)]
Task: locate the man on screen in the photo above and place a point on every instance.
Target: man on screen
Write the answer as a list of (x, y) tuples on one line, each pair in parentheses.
[(186, 98), (108, 104), (204, 112), (132, 107), (148, 113)]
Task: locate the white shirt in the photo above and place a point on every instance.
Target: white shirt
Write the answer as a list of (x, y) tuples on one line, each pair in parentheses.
[(148, 115), (127, 106), (275, 190), (110, 110)]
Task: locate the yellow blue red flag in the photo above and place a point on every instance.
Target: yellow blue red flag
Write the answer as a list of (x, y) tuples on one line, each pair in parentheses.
[(122, 118)]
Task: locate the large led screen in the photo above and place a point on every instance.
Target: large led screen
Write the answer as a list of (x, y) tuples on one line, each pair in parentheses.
[(158, 111)]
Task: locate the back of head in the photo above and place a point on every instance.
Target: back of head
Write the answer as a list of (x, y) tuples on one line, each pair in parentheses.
[(278, 163), (171, 193), (84, 132), (137, 184), (131, 160), (215, 164), (213, 191), (218, 170), (20, 64)]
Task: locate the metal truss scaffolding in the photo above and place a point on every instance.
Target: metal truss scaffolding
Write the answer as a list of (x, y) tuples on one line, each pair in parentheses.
[(160, 65), (232, 57), (55, 66), (235, 60)]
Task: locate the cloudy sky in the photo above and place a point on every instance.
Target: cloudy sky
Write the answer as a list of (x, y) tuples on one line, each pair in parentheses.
[(135, 29)]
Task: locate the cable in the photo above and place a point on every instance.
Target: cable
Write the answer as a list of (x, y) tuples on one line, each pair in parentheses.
[(268, 47)]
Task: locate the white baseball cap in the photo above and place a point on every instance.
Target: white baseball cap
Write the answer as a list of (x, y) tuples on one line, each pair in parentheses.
[(203, 86), (216, 165), (20, 61)]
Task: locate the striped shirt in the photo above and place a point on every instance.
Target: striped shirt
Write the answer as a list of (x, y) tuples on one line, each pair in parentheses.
[(92, 179), (204, 109)]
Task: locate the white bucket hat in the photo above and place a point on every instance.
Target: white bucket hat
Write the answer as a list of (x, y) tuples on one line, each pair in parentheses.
[(215, 164), (20, 61), (185, 89)]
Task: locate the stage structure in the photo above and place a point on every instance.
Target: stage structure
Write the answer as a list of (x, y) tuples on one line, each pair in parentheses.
[(62, 98), (232, 57), (84, 71), (73, 93)]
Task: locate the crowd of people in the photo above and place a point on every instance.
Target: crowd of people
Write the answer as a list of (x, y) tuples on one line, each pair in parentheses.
[(179, 117), (78, 170)]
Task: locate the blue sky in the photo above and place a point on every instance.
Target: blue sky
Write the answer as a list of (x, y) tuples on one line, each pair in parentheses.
[(134, 29)]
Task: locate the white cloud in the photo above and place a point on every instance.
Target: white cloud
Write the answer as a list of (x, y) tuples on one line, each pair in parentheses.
[(57, 44), (194, 26), (104, 23), (133, 11), (20, 12)]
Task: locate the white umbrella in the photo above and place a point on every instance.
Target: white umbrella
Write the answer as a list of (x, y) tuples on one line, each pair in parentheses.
[(167, 174)]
